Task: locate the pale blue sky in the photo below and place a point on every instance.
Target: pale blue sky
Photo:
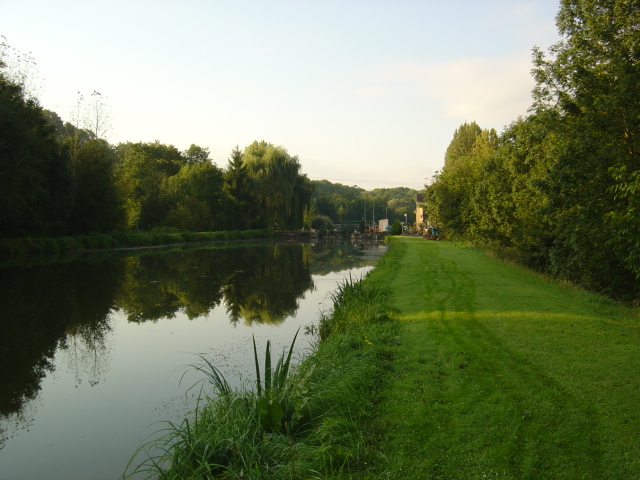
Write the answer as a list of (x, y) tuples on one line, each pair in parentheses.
[(365, 93)]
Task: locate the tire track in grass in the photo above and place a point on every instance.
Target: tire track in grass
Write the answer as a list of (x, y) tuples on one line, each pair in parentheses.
[(463, 403), (544, 414)]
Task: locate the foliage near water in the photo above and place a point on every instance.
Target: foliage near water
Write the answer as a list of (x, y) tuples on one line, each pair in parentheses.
[(64, 179), (45, 245), (490, 371), (307, 421)]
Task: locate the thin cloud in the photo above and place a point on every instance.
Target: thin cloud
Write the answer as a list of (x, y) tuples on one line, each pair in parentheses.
[(369, 92), (488, 90)]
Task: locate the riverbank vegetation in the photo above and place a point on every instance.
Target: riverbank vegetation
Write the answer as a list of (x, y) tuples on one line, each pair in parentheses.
[(304, 422), (560, 187), (64, 179), (486, 369), (16, 247)]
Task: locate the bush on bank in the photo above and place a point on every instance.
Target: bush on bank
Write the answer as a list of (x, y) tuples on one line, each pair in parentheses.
[(300, 423), (46, 245)]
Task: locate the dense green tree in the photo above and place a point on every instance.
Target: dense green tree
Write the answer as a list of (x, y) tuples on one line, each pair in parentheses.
[(327, 205), (142, 169), (34, 179), (462, 144), (348, 204), (321, 222), (196, 154), (56, 122), (591, 83), (197, 198), (507, 200), (341, 203), (453, 189), (391, 203), (96, 203), (300, 211), (396, 227), (562, 185)]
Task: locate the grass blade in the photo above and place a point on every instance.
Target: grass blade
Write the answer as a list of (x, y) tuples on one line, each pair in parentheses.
[(267, 367), (255, 356)]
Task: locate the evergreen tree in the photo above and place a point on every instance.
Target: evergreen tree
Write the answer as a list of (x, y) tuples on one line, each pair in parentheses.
[(236, 184)]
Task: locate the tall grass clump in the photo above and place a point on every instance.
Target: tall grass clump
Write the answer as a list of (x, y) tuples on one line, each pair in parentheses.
[(307, 421), (353, 302)]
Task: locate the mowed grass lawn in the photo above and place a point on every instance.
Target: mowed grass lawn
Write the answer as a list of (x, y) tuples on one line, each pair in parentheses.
[(499, 373)]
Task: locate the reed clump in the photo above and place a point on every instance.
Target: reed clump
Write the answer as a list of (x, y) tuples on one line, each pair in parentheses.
[(304, 421)]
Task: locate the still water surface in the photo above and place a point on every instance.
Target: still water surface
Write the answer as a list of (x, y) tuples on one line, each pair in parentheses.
[(93, 351)]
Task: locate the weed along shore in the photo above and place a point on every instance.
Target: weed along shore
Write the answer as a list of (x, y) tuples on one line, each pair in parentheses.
[(305, 422), (442, 363)]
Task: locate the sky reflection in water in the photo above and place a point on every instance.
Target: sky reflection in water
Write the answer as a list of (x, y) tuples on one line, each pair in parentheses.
[(92, 352)]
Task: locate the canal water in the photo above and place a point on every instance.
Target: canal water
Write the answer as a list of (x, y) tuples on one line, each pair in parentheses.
[(94, 351)]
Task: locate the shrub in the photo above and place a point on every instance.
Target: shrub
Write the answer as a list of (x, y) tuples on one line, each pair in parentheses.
[(321, 222), (396, 228)]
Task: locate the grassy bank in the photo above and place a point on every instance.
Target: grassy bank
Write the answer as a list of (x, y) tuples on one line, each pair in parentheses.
[(303, 423), (486, 371), (53, 246), (502, 374)]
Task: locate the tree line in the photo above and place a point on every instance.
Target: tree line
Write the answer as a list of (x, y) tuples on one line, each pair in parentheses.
[(63, 178), (561, 184), (345, 204), (58, 179)]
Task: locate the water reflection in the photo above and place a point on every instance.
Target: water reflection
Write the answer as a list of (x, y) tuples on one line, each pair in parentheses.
[(44, 309), (64, 309), (269, 284), (257, 283)]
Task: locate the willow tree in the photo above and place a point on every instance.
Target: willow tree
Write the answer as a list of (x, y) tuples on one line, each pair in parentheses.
[(280, 192)]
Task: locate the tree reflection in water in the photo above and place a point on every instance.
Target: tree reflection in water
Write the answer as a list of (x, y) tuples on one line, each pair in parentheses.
[(46, 309), (64, 309)]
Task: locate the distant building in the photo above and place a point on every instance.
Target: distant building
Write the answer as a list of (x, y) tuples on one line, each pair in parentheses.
[(420, 205)]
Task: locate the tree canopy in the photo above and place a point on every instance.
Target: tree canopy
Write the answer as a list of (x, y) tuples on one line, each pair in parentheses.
[(561, 185), (57, 178), (34, 182), (352, 204)]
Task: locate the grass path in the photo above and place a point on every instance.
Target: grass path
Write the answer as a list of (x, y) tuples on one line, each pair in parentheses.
[(500, 374)]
